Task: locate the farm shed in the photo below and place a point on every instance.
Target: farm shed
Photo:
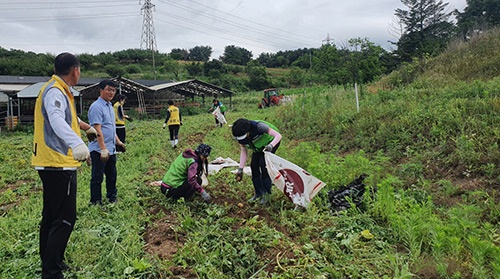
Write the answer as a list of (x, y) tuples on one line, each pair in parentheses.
[(26, 99), (153, 98)]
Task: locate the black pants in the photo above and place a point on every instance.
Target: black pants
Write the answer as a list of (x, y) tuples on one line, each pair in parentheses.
[(174, 131), (217, 120), (58, 219), (184, 191), (121, 133), (260, 177), (99, 169)]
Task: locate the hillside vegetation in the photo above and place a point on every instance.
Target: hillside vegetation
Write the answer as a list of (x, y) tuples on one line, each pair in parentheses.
[(428, 139)]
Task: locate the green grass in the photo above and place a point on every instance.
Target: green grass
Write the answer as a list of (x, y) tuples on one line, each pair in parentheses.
[(432, 209)]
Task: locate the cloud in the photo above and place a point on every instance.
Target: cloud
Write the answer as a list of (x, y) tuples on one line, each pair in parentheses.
[(257, 25)]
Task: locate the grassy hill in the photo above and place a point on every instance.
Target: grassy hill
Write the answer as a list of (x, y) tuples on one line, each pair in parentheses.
[(428, 139)]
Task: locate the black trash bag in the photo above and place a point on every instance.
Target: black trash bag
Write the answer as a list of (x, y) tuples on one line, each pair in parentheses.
[(353, 190)]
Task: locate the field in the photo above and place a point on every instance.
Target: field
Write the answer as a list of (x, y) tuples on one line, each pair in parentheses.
[(421, 223), (427, 136)]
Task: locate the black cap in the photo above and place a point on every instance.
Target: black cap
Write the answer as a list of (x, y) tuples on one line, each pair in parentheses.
[(203, 149)]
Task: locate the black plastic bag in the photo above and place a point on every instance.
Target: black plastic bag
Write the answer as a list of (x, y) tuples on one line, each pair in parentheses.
[(344, 197)]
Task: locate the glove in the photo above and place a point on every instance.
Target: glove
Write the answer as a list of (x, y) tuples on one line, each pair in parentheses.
[(121, 148), (104, 155), (269, 148), (81, 152), (91, 133), (239, 174), (206, 197), (129, 118), (181, 123), (164, 125)]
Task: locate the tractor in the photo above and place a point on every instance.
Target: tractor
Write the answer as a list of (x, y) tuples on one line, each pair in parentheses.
[(271, 98)]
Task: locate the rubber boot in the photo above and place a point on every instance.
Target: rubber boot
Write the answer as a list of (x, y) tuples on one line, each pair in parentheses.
[(176, 141), (267, 184), (172, 142), (259, 190)]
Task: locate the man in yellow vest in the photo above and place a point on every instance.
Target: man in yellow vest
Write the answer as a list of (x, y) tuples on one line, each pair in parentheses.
[(174, 122), (58, 151)]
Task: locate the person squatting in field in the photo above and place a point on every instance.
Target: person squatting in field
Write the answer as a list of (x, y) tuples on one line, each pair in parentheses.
[(223, 109), (57, 154), (259, 136), (184, 177), (174, 122)]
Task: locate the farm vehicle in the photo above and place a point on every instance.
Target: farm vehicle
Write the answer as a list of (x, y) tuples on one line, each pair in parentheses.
[(271, 98)]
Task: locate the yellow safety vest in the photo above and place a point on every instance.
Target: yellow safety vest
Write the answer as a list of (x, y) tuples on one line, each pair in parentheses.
[(174, 116), (118, 120), (48, 149)]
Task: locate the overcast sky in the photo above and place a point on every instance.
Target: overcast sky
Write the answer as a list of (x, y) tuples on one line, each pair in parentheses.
[(94, 26)]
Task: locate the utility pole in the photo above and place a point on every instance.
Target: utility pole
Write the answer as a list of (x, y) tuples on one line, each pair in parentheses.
[(148, 38)]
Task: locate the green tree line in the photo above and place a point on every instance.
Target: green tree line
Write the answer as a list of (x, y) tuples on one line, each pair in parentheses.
[(426, 29)]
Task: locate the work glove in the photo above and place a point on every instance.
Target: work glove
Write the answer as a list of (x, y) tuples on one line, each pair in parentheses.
[(239, 174), (81, 152), (206, 197), (164, 125), (91, 133), (129, 118), (269, 148), (104, 155), (121, 147)]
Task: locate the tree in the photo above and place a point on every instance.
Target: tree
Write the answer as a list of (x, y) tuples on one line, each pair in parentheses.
[(257, 78), (427, 29), (200, 53), (179, 54), (172, 66), (364, 60), (478, 16), (194, 69), (327, 64), (236, 55), (214, 68)]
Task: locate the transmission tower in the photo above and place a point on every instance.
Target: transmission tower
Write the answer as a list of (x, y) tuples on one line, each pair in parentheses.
[(327, 39), (148, 38)]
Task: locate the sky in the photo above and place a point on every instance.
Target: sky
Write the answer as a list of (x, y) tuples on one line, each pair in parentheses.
[(260, 26)]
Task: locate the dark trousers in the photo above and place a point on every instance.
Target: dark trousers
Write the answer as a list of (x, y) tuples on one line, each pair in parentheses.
[(217, 120), (260, 177), (184, 191), (99, 169), (58, 219), (121, 132), (174, 131)]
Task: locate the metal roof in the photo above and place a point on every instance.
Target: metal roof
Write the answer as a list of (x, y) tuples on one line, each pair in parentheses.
[(4, 98), (193, 87), (33, 90)]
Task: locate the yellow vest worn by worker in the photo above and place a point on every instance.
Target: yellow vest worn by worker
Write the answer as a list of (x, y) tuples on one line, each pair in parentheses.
[(48, 149), (174, 116), (118, 117)]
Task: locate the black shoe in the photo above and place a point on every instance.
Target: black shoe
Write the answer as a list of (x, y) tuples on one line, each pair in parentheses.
[(64, 266), (96, 203), (253, 199)]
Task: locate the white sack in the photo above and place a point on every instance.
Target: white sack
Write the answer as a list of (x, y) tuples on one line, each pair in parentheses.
[(220, 117), (296, 183)]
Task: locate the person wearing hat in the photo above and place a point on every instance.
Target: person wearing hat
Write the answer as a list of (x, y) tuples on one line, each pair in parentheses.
[(259, 136), (183, 178)]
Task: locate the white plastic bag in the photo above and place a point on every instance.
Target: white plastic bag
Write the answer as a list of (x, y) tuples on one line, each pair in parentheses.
[(220, 117), (296, 183)]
